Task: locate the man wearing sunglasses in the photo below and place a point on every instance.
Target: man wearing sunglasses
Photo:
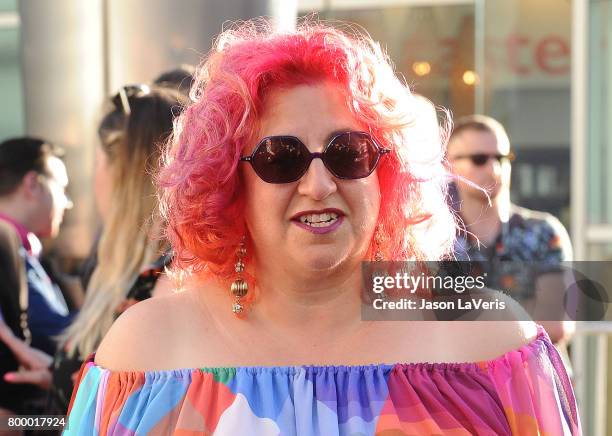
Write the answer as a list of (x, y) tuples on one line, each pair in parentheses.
[(479, 155)]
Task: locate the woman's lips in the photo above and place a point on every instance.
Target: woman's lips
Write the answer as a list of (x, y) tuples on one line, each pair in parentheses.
[(320, 230)]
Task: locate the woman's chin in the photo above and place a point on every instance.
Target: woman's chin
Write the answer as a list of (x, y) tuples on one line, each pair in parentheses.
[(322, 261)]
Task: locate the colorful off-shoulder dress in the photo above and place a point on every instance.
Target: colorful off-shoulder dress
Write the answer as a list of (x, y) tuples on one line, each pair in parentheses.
[(524, 392)]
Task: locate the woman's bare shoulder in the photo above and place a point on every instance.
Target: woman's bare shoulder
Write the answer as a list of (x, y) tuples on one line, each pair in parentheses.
[(144, 336), (499, 325), (487, 340), (501, 332)]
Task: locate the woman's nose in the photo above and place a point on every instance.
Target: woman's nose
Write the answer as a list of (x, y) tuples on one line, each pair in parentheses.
[(318, 183)]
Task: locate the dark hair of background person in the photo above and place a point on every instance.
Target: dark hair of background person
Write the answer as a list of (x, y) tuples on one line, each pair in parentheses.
[(18, 156), (127, 140), (180, 78)]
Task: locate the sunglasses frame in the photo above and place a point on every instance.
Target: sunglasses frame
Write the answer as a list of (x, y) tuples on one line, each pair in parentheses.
[(380, 152)]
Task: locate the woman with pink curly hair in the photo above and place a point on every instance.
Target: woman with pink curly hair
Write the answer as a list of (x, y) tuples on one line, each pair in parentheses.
[(302, 156)]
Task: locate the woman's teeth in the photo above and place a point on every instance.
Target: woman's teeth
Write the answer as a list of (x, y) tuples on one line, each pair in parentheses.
[(319, 219)]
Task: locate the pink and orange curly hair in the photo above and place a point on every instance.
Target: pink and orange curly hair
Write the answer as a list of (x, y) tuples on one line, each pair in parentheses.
[(201, 196)]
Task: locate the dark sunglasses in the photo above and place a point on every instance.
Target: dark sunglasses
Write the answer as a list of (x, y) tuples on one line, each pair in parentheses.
[(285, 159), (121, 99), (480, 159)]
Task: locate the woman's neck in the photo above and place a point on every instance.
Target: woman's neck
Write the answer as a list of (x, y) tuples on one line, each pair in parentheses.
[(322, 302)]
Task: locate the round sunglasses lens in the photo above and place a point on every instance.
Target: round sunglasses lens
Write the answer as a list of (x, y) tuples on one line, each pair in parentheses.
[(280, 159), (351, 155)]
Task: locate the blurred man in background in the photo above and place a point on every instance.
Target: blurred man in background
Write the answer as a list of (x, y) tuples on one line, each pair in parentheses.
[(33, 200), (479, 154)]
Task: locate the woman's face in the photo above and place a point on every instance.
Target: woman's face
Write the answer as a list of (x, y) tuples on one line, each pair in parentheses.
[(278, 216)]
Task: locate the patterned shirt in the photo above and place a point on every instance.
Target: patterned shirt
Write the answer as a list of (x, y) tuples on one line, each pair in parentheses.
[(530, 243)]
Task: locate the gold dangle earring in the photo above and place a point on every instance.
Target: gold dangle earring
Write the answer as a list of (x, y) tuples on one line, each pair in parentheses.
[(239, 287), (377, 256)]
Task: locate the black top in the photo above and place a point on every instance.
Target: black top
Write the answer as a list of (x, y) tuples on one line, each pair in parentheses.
[(16, 397)]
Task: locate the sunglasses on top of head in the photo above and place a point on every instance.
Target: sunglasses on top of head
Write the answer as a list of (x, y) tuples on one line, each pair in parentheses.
[(285, 159), (480, 159), (121, 100)]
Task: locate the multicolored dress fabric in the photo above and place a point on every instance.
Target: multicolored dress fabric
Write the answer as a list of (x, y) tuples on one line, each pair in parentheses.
[(524, 392)]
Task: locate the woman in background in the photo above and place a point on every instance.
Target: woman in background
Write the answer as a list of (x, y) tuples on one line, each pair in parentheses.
[(132, 253)]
